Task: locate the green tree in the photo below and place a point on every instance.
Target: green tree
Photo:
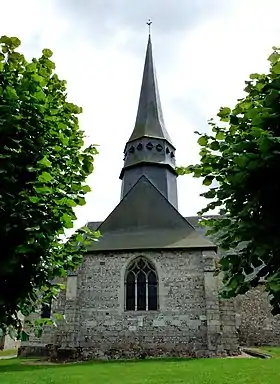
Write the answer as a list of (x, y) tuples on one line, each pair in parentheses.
[(43, 168), (240, 163)]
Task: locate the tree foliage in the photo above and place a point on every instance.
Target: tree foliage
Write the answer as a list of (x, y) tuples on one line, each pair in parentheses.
[(240, 163), (43, 168)]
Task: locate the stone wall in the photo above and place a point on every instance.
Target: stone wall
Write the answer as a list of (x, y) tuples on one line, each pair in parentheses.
[(37, 346), (220, 314), (177, 327), (188, 322), (6, 342), (191, 320), (256, 325)]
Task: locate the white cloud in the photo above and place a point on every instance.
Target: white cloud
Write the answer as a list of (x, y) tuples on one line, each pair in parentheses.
[(207, 70)]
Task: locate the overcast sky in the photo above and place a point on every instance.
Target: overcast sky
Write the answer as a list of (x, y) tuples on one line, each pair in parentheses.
[(204, 50)]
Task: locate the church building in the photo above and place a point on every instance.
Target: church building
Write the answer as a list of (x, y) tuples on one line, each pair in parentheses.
[(147, 288)]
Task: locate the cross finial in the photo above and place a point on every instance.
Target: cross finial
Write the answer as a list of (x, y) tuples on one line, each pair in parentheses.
[(149, 23)]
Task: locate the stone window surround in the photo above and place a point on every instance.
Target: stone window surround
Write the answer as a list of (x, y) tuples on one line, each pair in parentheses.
[(134, 268), (122, 297)]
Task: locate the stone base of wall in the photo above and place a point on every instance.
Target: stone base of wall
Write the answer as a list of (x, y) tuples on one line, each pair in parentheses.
[(34, 351), (59, 354)]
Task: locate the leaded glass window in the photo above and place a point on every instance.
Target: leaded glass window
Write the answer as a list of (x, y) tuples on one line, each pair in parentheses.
[(141, 286)]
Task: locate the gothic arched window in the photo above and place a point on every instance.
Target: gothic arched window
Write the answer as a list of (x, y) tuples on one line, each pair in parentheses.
[(141, 286)]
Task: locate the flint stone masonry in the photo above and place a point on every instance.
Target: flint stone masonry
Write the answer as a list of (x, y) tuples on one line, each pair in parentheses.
[(187, 322), (256, 325), (191, 320)]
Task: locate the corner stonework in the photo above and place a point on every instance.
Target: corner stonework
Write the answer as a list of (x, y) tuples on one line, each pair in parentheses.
[(221, 324)]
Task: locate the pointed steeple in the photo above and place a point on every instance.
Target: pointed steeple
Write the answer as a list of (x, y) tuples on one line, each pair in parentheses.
[(149, 120), (149, 151), (147, 216)]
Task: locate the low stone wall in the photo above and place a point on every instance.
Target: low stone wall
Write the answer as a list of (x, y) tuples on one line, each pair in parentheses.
[(6, 342), (255, 323)]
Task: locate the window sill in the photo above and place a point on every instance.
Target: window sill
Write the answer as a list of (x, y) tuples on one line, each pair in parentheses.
[(141, 312)]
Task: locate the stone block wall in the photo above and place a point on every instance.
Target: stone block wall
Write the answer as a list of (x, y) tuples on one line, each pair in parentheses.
[(105, 328), (255, 323), (6, 342), (37, 346), (191, 319), (220, 314)]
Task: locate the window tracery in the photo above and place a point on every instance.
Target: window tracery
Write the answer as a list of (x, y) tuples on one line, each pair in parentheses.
[(141, 286)]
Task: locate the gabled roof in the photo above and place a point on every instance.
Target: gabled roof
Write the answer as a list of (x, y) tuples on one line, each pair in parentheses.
[(144, 219), (149, 120)]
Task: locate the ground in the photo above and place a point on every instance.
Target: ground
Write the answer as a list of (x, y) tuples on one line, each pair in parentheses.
[(273, 351), (8, 352), (196, 371)]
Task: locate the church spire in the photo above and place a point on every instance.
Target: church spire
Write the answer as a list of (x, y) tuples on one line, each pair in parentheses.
[(149, 151), (149, 120)]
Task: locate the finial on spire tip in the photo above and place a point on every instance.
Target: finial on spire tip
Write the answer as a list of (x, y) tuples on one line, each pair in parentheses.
[(149, 23)]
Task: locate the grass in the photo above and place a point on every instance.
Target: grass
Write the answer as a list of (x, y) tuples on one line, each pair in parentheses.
[(273, 351), (197, 371), (8, 352)]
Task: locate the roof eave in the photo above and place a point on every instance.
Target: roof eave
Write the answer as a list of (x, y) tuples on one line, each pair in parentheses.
[(156, 248), (155, 164)]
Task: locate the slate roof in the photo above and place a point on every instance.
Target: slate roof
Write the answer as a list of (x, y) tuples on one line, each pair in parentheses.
[(144, 219), (149, 120)]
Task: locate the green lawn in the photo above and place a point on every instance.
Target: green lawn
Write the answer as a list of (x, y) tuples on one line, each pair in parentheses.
[(8, 352), (208, 371), (273, 351)]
